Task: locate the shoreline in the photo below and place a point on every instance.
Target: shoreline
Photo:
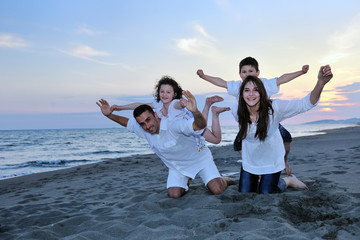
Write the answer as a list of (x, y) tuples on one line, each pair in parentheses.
[(311, 132), (126, 198)]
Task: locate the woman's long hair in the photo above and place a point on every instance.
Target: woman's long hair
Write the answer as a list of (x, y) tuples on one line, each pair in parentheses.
[(265, 109)]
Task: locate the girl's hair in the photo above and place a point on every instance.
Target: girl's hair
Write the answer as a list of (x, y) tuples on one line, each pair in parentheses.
[(167, 80), (265, 109)]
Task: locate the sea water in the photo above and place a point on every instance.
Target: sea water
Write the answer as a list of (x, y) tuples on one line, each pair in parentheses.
[(31, 151)]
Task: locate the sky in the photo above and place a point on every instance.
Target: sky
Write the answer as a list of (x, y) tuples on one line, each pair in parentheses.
[(57, 58)]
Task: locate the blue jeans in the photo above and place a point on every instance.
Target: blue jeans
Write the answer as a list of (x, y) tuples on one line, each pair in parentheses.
[(269, 183)]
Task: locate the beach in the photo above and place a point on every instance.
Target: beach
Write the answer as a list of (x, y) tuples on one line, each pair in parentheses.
[(126, 198)]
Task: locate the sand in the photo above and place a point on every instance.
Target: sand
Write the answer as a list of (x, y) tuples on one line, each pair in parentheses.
[(126, 199)]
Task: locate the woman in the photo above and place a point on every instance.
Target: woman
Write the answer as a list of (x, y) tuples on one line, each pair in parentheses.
[(262, 145)]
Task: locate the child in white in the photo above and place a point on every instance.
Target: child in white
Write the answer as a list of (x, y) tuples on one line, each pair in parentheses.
[(168, 107)]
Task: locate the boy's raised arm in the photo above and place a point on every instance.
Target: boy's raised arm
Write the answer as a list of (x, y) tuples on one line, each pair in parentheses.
[(214, 80), (290, 76)]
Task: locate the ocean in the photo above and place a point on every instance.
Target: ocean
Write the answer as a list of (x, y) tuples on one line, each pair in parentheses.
[(25, 152)]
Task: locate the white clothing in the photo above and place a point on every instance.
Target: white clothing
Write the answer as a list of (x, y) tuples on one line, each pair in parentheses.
[(233, 89), (176, 179), (176, 146), (266, 157), (172, 111)]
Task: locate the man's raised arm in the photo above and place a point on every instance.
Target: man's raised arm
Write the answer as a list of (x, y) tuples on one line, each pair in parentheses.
[(105, 109)]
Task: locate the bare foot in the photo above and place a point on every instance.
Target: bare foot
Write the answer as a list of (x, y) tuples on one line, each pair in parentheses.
[(294, 182), (213, 99), (288, 169), (218, 110), (229, 181)]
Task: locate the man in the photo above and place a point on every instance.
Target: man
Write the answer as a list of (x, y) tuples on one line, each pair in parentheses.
[(175, 143)]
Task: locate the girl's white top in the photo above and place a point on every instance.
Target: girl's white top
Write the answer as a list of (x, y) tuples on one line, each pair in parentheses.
[(173, 114), (172, 111)]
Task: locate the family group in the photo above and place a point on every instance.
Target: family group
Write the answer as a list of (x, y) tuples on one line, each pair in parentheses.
[(177, 131)]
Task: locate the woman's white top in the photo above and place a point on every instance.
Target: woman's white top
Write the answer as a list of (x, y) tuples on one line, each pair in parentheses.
[(266, 157)]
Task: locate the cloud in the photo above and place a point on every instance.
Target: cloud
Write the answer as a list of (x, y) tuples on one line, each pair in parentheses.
[(333, 58), (352, 93), (343, 96), (194, 46), (10, 41), (224, 4), (327, 109), (344, 40), (202, 45), (200, 29), (348, 37), (86, 30), (88, 53), (352, 88)]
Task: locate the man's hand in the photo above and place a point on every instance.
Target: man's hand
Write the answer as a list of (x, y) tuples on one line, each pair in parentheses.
[(325, 74), (305, 69), (190, 102), (104, 107)]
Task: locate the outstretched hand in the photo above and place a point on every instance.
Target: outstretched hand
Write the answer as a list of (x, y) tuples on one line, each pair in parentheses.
[(190, 102), (325, 74), (104, 107)]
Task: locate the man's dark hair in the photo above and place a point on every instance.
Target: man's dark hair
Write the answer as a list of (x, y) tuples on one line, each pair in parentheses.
[(249, 61), (141, 109)]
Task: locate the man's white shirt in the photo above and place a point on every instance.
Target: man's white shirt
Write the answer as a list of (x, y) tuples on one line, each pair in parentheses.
[(176, 145)]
